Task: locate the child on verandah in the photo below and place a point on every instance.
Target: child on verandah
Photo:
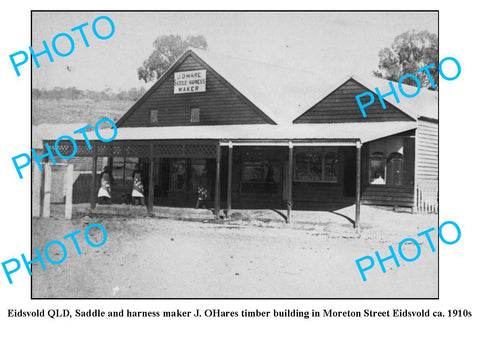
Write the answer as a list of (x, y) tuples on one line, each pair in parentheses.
[(105, 191), (138, 189), (202, 190)]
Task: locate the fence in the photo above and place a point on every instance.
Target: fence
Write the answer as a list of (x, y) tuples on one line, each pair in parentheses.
[(47, 190), (427, 197)]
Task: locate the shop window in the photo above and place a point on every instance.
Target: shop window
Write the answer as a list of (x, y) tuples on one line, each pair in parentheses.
[(260, 177), (316, 166), (377, 168), (262, 171), (122, 168), (330, 167), (153, 116), (395, 169), (386, 170), (195, 115)]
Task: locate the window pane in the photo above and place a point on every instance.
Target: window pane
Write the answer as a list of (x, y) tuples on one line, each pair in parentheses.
[(153, 116), (331, 167), (315, 167), (253, 172), (301, 167), (308, 167), (195, 115), (273, 172), (377, 168), (260, 171), (262, 177)]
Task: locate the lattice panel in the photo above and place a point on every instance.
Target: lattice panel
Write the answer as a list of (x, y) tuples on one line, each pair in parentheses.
[(118, 150), (104, 150), (168, 150), (83, 150), (200, 150), (66, 149), (138, 151), (179, 150)]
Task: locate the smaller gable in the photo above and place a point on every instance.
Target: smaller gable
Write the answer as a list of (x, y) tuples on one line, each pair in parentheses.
[(340, 106)]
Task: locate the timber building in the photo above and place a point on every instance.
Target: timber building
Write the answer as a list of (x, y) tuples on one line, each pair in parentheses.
[(272, 137)]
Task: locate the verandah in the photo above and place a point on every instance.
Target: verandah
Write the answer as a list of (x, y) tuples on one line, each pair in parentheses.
[(207, 149)]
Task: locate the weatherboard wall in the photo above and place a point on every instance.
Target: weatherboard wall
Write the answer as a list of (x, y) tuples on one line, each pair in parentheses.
[(340, 106), (427, 150), (220, 104)]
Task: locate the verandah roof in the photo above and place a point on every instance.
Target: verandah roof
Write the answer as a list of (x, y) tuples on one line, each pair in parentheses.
[(364, 132)]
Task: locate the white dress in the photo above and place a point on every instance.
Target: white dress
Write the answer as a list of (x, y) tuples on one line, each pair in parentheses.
[(105, 187)]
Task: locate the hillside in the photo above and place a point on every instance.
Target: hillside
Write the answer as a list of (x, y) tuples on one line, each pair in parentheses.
[(84, 110)]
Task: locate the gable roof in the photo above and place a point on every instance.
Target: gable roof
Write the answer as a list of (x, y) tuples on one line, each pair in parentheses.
[(282, 94), (207, 65), (425, 104)]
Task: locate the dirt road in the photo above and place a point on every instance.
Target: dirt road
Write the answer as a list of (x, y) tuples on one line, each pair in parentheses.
[(166, 258)]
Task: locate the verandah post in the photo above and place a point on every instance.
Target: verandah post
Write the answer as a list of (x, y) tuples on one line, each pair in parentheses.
[(68, 185), (229, 183), (93, 195), (36, 191), (358, 184), (217, 182), (150, 181), (289, 180), (47, 189)]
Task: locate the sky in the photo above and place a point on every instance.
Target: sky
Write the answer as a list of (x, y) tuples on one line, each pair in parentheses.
[(334, 44)]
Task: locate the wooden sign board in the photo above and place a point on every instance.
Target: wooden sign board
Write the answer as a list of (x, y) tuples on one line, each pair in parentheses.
[(190, 81)]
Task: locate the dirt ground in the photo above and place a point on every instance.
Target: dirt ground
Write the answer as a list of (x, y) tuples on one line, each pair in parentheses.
[(186, 253)]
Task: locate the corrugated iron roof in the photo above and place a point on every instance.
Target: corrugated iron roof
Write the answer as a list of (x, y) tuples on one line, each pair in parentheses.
[(281, 93), (364, 132), (425, 104), (284, 93), (52, 132)]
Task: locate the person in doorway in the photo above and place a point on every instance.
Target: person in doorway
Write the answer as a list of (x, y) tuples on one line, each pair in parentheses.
[(202, 190), (138, 189), (105, 191)]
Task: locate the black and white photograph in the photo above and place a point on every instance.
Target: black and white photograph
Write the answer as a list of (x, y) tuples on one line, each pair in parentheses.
[(240, 170), (235, 154)]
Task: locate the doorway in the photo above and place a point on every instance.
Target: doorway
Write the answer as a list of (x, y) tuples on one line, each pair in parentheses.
[(177, 179), (258, 179)]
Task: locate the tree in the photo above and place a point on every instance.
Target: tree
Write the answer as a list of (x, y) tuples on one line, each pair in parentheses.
[(167, 48), (409, 52), (36, 94), (135, 94)]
